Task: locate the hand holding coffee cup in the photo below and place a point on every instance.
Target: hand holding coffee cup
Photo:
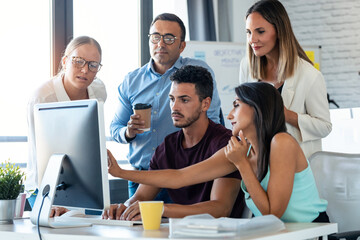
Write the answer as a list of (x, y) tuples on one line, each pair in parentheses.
[(141, 120), (144, 110)]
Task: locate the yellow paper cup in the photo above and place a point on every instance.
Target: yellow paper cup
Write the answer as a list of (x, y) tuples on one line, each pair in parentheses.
[(151, 212)]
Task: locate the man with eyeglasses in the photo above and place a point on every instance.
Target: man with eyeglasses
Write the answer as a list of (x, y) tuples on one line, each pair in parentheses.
[(151, 84)]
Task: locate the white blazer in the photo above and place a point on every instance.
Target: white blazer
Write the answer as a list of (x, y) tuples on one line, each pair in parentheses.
[(305, 94)]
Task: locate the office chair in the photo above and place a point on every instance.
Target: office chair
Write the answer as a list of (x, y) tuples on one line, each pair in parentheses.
[(332, 101), (246, 212), (337, 176)]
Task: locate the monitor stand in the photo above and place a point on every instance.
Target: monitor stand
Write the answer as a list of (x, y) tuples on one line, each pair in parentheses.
[(48, 185)]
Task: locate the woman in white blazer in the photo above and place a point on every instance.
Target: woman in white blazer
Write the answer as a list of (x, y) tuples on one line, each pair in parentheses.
[(275, 56)]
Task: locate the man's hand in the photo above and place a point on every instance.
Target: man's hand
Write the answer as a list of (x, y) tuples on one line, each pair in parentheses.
[(132, 212), (58, 211), (121, 212), (133, 126), (114, 212)]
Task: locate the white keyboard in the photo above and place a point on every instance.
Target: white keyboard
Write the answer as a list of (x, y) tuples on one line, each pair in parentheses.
[(97, 220), (67, 224)]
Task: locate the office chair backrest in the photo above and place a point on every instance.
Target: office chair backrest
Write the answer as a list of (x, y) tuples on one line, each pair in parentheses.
[(337, 177), (246, 212)]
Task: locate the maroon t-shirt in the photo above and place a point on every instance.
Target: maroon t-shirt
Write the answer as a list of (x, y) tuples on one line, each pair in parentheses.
[(171, 155)]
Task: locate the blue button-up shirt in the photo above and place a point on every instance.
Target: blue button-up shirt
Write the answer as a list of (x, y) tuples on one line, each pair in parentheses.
[(145, 85)]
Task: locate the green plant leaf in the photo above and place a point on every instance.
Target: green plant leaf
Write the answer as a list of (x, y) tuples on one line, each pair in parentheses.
[(11, 180)]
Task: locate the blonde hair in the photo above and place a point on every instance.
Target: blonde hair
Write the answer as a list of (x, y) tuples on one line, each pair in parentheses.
[(289, 48), (74, 44)]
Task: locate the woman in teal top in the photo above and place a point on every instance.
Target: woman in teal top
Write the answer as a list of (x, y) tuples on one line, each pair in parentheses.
[(302, 206), (276, 176)]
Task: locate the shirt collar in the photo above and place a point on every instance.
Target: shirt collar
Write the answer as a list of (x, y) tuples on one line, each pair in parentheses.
[(90, 91), (60, 92), (176, 65)]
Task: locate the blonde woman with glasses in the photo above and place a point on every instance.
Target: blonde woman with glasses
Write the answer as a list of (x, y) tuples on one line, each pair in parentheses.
[(275, 56), (75, 80)]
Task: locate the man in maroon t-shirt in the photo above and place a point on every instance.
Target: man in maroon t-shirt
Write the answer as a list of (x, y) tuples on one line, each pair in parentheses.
[(199, 138)]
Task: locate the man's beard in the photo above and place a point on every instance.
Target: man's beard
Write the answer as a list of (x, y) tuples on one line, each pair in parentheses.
[(189, 121)]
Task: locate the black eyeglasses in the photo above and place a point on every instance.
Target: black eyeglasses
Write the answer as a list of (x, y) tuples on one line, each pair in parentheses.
[(80, 63), (155, 38)]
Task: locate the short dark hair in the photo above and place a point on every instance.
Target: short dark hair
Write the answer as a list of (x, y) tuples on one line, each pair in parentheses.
[(197, 75), (172, 18)]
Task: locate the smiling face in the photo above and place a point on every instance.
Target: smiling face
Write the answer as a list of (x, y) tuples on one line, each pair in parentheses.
[(185, 104), (80, 78), (165, 55), (261, 35), (241, 117)]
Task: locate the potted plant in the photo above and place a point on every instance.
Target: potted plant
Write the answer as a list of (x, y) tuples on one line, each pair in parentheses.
[(11, 180)]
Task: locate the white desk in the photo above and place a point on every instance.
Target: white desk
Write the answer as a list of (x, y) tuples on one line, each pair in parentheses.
[(24, 229)]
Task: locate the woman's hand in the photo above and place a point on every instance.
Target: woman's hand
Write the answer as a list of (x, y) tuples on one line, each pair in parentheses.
[(291, 117), (237, 151), (113, 166)]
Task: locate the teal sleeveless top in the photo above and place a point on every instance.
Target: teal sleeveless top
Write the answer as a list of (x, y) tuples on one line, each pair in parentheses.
[(305, 203)]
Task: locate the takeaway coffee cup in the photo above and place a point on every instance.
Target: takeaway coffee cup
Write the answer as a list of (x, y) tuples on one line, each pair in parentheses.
[(151, 212), (144, 110)]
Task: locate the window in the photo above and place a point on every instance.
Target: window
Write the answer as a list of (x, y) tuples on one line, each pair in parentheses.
[(25, 64), (177, 7), (114, 24), (25, 61)]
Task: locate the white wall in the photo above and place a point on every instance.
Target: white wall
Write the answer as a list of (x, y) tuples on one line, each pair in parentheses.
[(240, 8), (230, 19), (333, 24)]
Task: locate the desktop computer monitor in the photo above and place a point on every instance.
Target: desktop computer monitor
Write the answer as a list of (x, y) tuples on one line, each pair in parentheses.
[(71, 152)]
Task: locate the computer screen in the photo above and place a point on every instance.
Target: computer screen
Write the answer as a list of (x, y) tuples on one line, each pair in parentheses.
[(74, 128)]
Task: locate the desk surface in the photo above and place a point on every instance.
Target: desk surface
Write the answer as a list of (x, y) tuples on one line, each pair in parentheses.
[(24, 229)]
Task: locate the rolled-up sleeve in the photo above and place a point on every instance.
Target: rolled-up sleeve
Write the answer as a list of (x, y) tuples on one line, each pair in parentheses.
[(122, 113)]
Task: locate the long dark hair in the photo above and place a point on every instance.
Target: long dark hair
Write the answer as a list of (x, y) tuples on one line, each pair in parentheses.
[(269, 117)]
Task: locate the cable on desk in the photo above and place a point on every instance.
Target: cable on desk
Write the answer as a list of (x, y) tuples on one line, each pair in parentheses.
[(38, 220)]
